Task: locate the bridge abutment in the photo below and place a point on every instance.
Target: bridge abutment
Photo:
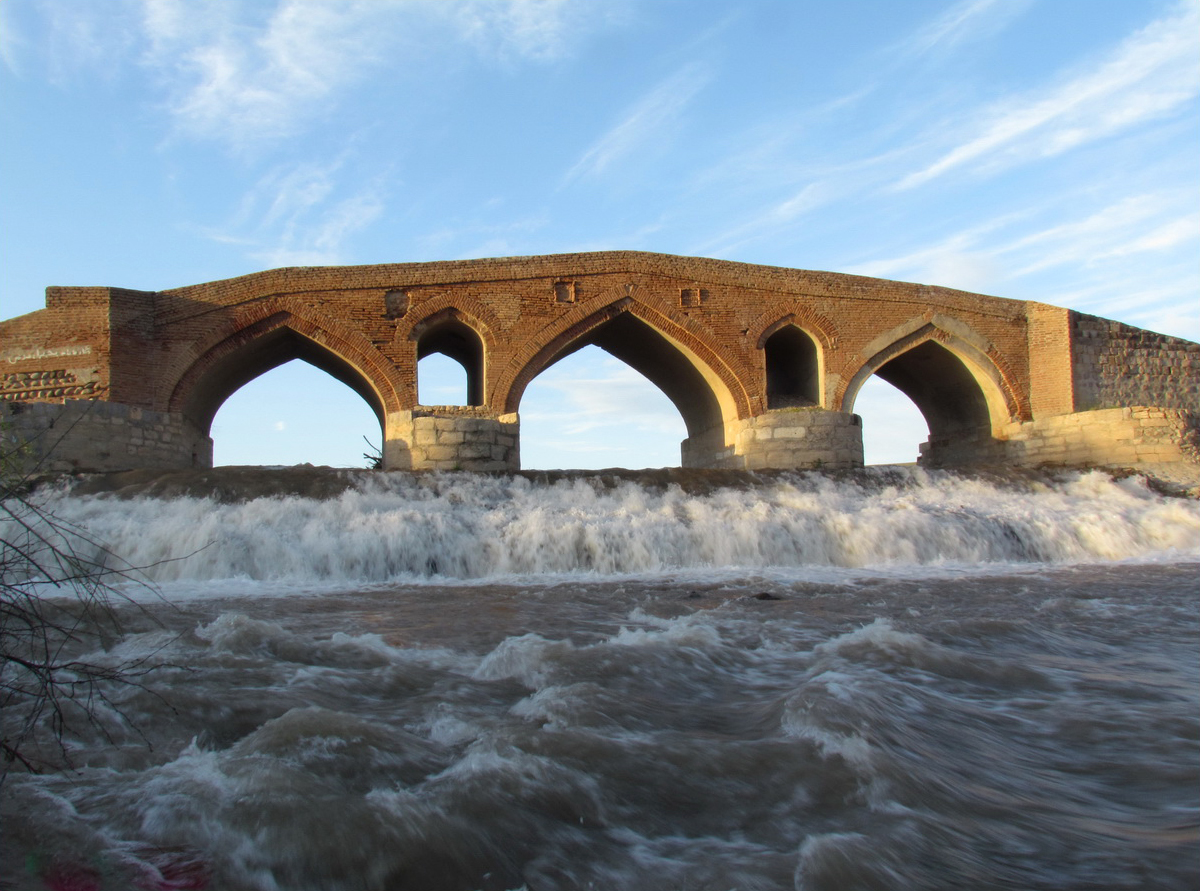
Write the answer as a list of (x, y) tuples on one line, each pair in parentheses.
[(1128, 437), (85, 436)]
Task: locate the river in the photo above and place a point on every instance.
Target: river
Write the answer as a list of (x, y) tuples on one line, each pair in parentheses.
[(893, 679)]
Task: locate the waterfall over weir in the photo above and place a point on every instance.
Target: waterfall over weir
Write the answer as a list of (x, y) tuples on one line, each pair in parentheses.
[(457, 526)]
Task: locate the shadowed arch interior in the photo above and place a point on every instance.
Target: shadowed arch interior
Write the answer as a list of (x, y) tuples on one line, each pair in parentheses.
[(656, 358), (260, 355), (458, 341), (793, 369), (942, 387)]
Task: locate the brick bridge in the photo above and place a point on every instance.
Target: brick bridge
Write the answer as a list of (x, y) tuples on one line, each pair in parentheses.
[(763, 363)]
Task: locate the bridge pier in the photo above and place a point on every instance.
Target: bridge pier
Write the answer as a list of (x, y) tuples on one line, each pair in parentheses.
[(451, 437), (780, 439)]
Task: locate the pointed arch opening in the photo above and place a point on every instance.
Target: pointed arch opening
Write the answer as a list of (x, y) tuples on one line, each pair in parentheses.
[(793, 366), (244, 358), (228, 367), (591, 411), (295, 414), (456, 340), (698, 394), (950, 394)]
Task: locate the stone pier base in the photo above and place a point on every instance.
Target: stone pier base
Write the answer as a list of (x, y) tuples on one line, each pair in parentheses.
[(452, 438), (81, 435), (805, 438)]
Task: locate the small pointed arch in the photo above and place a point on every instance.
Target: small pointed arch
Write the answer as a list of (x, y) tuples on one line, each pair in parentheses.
[(685, 369), (793, 348), (793, 365), (460, 336), (252, 350), (950, 375)]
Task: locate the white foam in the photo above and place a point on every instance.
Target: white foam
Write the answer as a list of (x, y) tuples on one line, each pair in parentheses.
[(458, 527)]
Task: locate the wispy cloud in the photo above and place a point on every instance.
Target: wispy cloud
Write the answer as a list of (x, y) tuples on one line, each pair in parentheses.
[(300, 215), (965, 21), (807, 199), (1097, 252), (240, 82), (1135, 224), (61, 40), (652, 114), (243, 74), (538, 30), (611, 395), (1150, 74)]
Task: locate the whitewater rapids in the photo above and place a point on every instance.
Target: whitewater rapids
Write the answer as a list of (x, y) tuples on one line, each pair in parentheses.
[(890, 680)]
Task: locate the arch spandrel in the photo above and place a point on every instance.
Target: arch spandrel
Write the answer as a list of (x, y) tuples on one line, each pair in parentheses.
[(251, 344)]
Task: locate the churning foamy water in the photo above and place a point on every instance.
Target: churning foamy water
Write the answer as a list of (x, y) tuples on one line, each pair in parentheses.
[(898, 680)]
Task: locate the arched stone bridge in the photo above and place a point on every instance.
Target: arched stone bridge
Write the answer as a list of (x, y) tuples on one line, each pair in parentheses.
[(763, 363)]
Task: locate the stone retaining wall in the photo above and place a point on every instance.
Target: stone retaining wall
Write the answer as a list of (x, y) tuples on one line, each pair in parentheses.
[(1125, 437), (1119, 365), (92, 435)]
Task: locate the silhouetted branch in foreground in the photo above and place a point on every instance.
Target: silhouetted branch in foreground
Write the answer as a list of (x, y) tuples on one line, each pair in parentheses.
[(59, 589)]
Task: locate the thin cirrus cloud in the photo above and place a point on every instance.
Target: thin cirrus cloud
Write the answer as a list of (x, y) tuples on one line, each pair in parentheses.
[(298, 214), (650, 115), (610, 390), (240, 80), (962, 23), (1149, 75), (1102, 240)]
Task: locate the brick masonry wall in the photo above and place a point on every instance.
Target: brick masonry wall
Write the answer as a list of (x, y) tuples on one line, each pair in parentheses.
[(715, 310), (1051, 380), (181, 352), (82, 436)]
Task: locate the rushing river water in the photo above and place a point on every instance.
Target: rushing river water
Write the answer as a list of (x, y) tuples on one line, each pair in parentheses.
[(898, 680)]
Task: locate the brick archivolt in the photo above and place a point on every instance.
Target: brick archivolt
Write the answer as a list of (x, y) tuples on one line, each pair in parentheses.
[(232, 344), (977, 354), (682, 334), (819, 329)]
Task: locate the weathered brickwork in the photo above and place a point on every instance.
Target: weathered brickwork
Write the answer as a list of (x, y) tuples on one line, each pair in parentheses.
[(734, 346)]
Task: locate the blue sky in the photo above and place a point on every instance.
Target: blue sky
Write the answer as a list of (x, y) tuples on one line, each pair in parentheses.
[(1032, 149)]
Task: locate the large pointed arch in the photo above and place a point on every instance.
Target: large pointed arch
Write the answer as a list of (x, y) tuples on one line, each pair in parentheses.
[(253, 349), (947, 370), (689, 372)]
